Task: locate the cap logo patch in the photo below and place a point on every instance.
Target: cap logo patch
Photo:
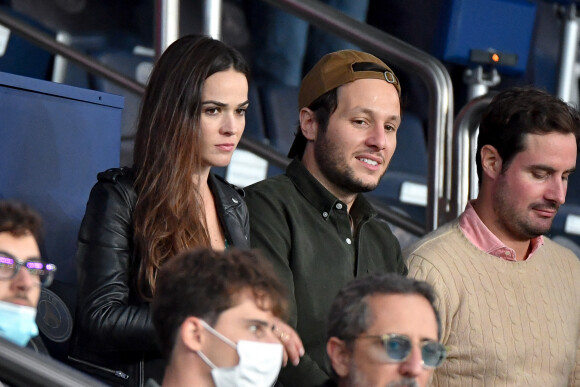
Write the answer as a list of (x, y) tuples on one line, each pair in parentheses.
[(390, 77)]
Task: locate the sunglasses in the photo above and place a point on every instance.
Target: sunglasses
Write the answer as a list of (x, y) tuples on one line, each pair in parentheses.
[(398, 349), (10, 265)]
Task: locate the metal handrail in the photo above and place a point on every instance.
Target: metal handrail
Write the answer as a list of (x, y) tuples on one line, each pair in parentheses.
[(430, 70), (48, 43), (464, 173)]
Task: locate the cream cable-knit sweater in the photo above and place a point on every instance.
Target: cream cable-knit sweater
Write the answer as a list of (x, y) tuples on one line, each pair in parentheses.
[(504, 323)]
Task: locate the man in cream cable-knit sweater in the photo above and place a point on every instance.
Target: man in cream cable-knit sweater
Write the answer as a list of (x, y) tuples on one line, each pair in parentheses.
[(509, 298)]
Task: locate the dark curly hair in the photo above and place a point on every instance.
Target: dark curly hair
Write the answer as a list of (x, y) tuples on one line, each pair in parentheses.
[(20, 219), (204, 283)]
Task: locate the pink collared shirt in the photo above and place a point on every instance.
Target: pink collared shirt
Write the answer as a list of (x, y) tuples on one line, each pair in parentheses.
[(478, 234)]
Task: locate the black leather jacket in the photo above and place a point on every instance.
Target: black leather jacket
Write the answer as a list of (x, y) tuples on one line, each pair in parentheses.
[(114, 338)]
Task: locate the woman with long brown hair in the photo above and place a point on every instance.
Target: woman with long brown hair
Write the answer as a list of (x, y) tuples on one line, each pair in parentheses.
[(192, 117)]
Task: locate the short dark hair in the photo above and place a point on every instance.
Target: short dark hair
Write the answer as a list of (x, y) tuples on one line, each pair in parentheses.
[(322, 107), (19, 219), (516, 112), (350, 314), (203, 283)]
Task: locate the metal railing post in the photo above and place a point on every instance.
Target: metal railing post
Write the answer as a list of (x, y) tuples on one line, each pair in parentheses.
[(464, 173), (212, 18), (166, 24)]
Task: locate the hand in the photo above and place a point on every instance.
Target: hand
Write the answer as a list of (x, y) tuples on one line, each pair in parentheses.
[(293, 347)]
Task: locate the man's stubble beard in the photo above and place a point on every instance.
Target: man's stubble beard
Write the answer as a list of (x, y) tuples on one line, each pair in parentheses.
[(336, 170), (519, 225)]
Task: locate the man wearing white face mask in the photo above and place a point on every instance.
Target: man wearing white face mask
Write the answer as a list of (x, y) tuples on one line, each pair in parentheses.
[(22, 273), (214, 314)]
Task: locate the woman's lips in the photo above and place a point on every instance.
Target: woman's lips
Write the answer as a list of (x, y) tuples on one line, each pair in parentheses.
[(226, 147)]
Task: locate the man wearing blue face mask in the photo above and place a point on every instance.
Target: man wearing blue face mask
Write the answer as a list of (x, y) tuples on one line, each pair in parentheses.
[(215, 313), (22, 273)]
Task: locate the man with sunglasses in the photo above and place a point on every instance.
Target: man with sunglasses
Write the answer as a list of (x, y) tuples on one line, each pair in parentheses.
[(384, 330), (22, 273)]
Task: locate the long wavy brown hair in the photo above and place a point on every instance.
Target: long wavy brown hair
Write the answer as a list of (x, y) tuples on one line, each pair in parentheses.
[(169, 215)]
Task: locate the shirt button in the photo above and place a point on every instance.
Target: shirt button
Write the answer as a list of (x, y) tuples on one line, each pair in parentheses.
[(338, 206), (325, 214), (348, 241), (507, 254)]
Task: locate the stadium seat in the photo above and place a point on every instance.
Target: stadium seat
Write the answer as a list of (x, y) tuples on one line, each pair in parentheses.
[(404, 186), (280, 108), (136, 67), (55, 139), (21, 57)]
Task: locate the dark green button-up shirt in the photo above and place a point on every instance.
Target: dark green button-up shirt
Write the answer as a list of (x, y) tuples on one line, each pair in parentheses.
[(305, 232)]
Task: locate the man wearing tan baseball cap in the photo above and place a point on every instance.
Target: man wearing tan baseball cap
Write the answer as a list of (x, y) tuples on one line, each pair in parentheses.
[(312, 222)]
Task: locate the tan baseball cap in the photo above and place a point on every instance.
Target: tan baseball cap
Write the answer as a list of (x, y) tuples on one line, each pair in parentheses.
[(334, 70)]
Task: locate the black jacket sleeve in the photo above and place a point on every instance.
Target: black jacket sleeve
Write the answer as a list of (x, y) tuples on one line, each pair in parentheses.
[(110, 313)]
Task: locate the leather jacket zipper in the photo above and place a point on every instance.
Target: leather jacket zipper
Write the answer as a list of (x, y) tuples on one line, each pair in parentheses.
[(117, 373)]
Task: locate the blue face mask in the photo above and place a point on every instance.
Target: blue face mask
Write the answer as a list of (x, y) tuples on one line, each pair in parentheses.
[(17, 323)]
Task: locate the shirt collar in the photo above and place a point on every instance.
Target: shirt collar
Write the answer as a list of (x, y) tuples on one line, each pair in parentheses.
[(322, 199), (478, 234)]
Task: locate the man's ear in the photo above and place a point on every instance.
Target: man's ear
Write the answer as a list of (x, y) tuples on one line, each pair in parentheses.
[(191, 333), (340, 356), (308, 124), (491, 162)]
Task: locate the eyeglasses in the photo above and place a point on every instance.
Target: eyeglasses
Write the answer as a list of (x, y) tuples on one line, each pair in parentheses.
[(398, 349), (9, 266)]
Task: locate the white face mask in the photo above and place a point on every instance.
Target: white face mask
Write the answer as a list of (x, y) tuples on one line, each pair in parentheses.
[(17, 322), (259, 363)]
